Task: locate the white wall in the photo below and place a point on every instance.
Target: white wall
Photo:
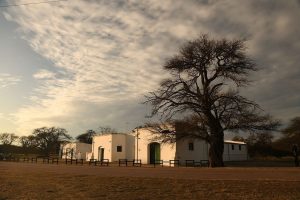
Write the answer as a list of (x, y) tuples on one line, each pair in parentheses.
[(167, 151), (143, 146), (130, 146), (103, 141), (110, 142), (82, 149), (79, 150), (200, 151), (118, 140), (238, 153)]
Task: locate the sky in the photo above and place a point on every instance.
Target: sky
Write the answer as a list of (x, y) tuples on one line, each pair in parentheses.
[(81, 64)]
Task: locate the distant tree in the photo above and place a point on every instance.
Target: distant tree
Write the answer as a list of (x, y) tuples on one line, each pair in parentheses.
[(48, 140), (238, 138), (290, 136), (205, 78), (260, 144), (293, 129), (265, 138), (8, 138), (28, 143), (106, 130), (86, 137)]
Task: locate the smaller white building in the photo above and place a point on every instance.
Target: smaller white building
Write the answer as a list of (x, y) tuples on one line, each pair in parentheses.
[(75, 150), (112, 146), (235, 151)]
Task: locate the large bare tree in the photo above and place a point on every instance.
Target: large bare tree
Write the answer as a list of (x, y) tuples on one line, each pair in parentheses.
[(206, 76)]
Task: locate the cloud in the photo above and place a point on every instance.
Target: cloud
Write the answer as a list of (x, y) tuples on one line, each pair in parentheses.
[(7, 80), (44, 74), (109, 52)]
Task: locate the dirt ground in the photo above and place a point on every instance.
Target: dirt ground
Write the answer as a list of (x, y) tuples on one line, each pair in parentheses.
[(51, 181)]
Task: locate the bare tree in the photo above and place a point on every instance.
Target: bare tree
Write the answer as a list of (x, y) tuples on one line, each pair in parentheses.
[(205, 79), (106, 130), (8, 138)]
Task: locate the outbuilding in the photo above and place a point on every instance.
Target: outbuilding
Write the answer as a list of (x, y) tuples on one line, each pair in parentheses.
[(75, 150), (113, 146)]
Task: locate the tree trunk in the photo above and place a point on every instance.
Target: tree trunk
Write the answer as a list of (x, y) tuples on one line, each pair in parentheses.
[(216, 150)]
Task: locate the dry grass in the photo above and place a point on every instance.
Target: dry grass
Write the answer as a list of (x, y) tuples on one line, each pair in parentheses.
[(37, 181)]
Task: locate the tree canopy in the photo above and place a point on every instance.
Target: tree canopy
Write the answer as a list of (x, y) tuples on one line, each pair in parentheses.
[(290, 136), (205, 78), (48, 140), (8, 138), (86, 137)]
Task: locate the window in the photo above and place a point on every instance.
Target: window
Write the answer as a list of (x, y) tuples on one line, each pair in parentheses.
[(191, 146), (232, 146), (119, 148), (240, 147)]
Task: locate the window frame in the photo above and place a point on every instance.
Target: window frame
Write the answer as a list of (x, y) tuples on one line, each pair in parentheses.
[(191, 146), (119, 148)]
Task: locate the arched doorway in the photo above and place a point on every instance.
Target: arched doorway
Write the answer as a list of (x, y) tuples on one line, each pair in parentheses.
[(100, 153), (154, 151)]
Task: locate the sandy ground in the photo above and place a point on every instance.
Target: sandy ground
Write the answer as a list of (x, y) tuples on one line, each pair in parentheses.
[(51, 181)]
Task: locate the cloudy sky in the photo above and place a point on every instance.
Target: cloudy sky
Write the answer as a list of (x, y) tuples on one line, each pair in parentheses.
[(79, 64)]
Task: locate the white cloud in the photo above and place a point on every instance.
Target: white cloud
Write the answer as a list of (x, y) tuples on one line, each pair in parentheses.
[(7, 80), (44, 74), (108, 52)]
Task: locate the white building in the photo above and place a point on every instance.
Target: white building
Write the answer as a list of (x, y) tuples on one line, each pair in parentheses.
[(149, 150), (113, 147), (235, 151), (75, 150), (129, 146)]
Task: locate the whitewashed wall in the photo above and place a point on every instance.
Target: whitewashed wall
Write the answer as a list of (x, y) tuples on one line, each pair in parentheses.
[(110, 142), (130, 146), (103, 141), (143, 145), (167, 151), (80, 150), (235, 151), (200, 151)]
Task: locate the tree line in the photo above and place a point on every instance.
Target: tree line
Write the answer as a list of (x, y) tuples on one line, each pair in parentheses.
[(45, 141), (263, 144)]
